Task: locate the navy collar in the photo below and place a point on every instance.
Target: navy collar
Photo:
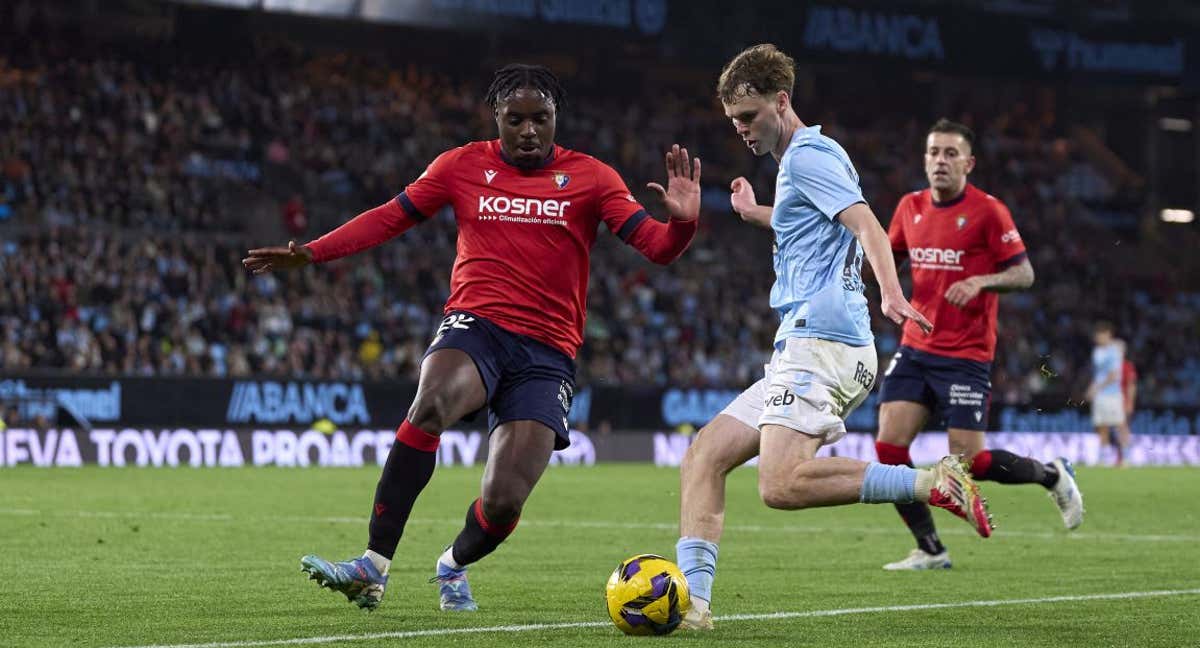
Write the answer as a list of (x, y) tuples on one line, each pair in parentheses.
[(953, 201), (509, 161)]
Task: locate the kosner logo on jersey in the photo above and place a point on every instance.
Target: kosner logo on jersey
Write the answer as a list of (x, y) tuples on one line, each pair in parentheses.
[(939, 258), (503, 205), (276, 402)]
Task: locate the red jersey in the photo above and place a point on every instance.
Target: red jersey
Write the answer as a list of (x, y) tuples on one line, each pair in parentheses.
[(524, 235), (1128, 376), (970, 235)]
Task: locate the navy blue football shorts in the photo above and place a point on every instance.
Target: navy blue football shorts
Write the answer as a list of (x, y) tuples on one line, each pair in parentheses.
[(956, 390), (526, 380)]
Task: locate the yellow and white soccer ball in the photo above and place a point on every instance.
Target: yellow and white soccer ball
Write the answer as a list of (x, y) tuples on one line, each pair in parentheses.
[(647, 595)]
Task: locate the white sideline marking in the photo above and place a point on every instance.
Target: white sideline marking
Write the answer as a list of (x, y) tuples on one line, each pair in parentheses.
[(601, 524), (407, 634)]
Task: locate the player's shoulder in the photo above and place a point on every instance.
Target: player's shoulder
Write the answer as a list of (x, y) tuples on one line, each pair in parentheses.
[(985, 202), (914, 199), (447, 160), (810, 144), (579, 163), (472, 151), (567, 156)]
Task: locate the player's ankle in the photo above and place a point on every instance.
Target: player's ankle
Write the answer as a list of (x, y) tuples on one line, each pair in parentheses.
[(925, 480), (381, 563), (447, 559)]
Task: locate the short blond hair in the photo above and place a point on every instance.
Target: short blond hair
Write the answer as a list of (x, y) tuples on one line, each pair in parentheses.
[(761, 69)]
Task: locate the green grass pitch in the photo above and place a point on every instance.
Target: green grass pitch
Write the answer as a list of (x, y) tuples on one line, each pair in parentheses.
[(110, 557)]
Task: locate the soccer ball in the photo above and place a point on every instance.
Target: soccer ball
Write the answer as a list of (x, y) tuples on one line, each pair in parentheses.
[(647, 595)]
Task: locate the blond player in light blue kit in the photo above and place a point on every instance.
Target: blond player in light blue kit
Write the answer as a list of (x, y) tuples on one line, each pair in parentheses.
[(824, 360)]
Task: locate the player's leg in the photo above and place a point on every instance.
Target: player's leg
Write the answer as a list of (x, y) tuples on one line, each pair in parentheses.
[(1108, 417), (518, 453), (999, 465), (791, 477), (728, 441), (1124, 436), (450, 387), (966, 387), (1102, 433), (906, 400), (528, 421), (814, 384), (455, 377), (1002, 466), (899, 423)]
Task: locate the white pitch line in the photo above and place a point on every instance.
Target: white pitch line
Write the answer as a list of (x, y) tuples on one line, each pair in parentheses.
[(602, 524), (408, 634)]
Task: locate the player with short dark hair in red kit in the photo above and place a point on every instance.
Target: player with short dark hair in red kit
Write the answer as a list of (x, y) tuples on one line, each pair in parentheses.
[(963, 249), (527, 212)]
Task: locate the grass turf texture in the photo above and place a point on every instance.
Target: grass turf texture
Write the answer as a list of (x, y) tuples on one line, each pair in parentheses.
[(127, 557)]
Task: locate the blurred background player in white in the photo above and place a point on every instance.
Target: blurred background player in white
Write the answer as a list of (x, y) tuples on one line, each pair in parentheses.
[(1106, 395), (964, 249), (824, 363)]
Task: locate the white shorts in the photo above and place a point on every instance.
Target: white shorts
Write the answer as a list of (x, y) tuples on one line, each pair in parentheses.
[(810, 386), (1108, 410)]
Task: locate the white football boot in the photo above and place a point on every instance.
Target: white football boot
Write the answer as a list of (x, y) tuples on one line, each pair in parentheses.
[(919, 560), (1066, 494), (696, 619)]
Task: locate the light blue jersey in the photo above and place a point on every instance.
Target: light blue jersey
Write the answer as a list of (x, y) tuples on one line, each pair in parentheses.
[(1105, 360), (818, 289)]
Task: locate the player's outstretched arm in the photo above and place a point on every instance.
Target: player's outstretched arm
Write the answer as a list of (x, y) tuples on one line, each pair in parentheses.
[(859, 219), (745, 205), (663, 242), (263, 260), (366, 230)]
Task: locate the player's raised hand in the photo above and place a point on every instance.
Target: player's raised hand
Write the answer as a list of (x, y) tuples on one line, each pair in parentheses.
[(898, 309), (963, 291), (742, 199), (682, 195), (262, 260)]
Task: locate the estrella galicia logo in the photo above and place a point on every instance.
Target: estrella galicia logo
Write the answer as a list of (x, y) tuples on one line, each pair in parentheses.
[(276, 402)]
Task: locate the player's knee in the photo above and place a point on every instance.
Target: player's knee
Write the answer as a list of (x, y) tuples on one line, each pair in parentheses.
[(777, 496), (431, 411), (965, 449), (502, 507), (781, 493), (704, 456)]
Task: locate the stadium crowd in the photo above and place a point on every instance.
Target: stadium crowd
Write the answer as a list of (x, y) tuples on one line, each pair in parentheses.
[(131, 187)]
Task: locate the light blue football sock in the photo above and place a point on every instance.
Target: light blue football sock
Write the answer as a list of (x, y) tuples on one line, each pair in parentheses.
[(697, 560), (884, 483)]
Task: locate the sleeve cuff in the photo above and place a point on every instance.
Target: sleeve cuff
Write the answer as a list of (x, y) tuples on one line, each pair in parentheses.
[(838, 212), (1012, 261), (631, 224), (409, 208)]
